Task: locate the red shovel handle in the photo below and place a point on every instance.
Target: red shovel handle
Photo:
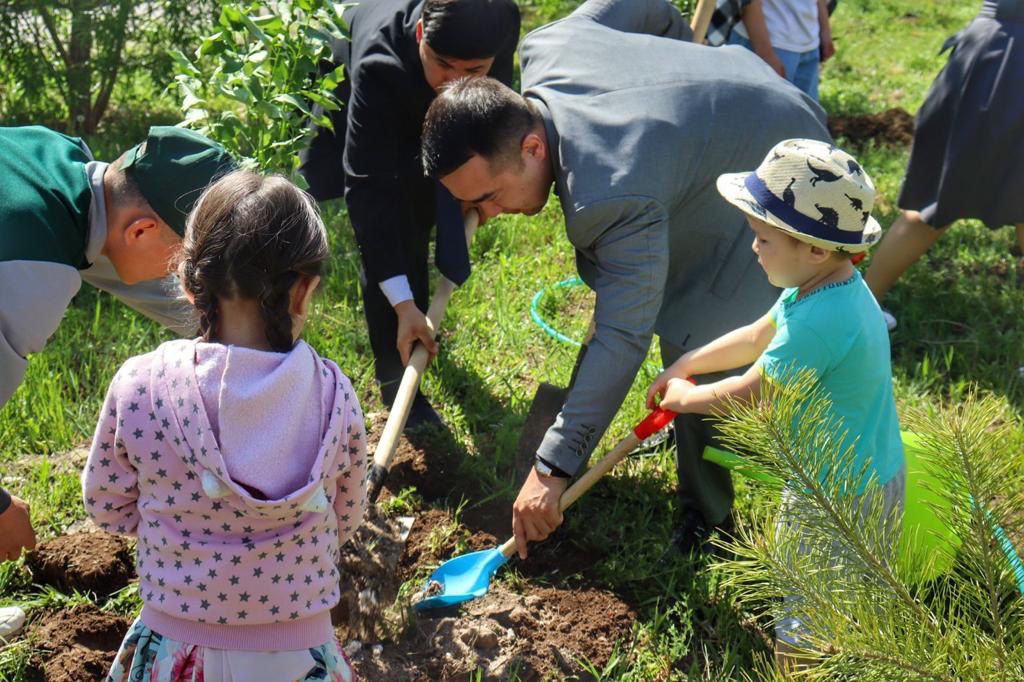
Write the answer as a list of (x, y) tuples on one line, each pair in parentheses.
[(654, 422)]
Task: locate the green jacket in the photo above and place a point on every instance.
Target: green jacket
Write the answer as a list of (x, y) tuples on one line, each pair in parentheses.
[(53, 224)]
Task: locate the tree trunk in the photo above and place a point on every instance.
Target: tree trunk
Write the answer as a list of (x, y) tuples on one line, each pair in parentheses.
[(79, 68), (112, 62)]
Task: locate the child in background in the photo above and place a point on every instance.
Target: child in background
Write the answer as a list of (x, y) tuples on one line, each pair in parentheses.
[(809, 205), (237, 458), (793, 36)]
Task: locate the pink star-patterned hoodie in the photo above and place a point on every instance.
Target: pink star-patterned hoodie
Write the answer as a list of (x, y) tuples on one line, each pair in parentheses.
[(241, 472)]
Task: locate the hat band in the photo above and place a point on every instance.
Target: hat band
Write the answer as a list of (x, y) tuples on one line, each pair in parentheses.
[(795, 218)]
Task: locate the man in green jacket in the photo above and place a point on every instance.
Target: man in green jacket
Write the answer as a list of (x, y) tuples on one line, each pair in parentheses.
[(64, 218)]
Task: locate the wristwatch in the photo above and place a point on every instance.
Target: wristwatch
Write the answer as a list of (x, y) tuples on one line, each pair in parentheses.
[(545, 469)]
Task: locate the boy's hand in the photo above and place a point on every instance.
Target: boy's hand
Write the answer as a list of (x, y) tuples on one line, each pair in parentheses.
[(773, 61), (828, 48), (675, 394), (658, 388)]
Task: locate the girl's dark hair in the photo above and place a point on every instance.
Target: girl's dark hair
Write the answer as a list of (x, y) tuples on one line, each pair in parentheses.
[(251, 236)]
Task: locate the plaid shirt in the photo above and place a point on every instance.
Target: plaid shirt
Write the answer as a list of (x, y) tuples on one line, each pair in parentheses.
[(726, 15)]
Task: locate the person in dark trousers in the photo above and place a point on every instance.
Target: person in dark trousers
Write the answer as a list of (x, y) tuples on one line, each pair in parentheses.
[(400, 54)]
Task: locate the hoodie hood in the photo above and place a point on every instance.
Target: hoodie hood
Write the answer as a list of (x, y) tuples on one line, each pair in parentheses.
[(255, 426)]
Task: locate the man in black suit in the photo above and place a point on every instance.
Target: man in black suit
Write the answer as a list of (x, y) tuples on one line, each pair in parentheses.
[(400, 53)]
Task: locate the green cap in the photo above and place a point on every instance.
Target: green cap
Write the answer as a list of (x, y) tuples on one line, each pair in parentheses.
[(173, 167)]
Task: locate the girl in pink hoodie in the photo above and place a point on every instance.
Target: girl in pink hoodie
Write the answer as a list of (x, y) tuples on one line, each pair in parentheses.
[(237, 459)]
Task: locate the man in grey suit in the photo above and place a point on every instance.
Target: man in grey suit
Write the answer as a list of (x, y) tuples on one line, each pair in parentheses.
[(632, 125)]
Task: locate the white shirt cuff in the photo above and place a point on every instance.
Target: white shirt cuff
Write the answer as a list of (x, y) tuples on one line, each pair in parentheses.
[(396, 289)]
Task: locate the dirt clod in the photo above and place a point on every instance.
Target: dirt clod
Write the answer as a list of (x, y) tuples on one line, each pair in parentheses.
[(96, 562), (79, 644), (893, 126), (432, 589), (486, 640)]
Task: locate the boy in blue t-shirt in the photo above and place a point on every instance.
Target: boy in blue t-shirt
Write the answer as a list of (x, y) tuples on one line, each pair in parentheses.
[(809, 205)]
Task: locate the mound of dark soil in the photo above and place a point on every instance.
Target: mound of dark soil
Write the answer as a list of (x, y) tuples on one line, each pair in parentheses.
[(545, 632), (89, 562), (893, 126), (530, 633), (79, 644)]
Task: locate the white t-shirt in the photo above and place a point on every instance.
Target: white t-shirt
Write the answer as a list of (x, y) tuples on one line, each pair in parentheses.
[(792, 24)]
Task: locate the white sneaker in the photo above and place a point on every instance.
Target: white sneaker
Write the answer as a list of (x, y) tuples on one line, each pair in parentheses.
[(12, 619), (890, 319)]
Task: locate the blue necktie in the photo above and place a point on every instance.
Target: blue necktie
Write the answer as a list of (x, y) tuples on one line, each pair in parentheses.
[(450, 251)]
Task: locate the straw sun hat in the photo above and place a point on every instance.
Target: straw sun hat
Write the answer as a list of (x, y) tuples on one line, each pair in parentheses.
[(814, 191)]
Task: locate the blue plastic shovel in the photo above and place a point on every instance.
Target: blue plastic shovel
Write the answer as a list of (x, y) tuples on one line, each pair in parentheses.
[(469, 576)]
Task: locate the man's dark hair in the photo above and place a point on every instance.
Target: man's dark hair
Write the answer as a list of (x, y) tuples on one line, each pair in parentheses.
[(475, 116), (470, 29)]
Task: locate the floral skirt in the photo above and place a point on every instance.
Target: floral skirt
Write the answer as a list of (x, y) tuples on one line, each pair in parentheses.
[(147, 656)]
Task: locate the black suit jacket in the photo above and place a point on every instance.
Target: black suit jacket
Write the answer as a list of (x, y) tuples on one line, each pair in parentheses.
[(373, 155)]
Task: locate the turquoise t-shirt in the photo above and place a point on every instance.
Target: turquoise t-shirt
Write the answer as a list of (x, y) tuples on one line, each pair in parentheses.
[(838, 333)]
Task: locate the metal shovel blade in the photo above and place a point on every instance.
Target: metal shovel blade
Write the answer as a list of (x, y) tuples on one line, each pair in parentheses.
[(461, 579)]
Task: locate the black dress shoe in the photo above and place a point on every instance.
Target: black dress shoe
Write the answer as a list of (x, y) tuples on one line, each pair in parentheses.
[(422, 415), (692, 538), (692, 534)]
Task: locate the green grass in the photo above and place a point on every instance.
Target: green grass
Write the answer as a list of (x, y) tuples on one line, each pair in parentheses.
[(887, 52), (959, 311)]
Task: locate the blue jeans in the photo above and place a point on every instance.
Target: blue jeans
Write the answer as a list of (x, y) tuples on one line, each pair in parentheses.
[(801, 67)]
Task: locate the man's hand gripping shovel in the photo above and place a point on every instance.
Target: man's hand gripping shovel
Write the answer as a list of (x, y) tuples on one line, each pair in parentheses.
[(469, 576), (399, 413)]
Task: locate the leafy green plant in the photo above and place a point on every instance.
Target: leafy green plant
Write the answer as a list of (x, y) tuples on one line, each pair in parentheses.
[(612, 670), (49, 597), (868, 616), (255, 85), (14, 578)]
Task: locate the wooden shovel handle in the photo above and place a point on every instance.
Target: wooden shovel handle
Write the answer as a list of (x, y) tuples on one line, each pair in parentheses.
[(701, 20), (654, 422), (399, 413)]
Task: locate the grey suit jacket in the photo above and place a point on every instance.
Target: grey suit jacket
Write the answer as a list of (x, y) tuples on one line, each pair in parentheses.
[(640, 124)]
